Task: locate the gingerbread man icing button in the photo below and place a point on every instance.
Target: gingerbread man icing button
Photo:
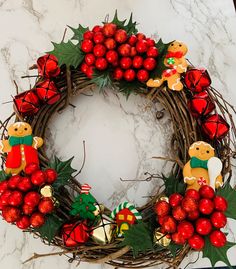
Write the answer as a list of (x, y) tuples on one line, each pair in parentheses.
[(21, 147), (203, 168), (176, 63)]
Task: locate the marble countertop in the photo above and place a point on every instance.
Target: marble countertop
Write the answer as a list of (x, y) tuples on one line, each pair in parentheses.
[(121, 137)]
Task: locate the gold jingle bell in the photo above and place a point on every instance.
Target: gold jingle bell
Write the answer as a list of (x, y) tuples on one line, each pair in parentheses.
[(47, 191), (160, 238)]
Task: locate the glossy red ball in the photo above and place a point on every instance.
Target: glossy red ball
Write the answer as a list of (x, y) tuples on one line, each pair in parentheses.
[(217, 239), (124, 50), (152, 52), (193, 215), (99, 50), (11, 214), (137, 62), (89, 59), (87, 45), (5, 196), (207, 191), (118, 74), (38, 178), (88, 35), (109, 29), (178, 238), (51, 175), (37, 219), (169, 224), (101, 63), (27, 209), (3, 186), (218, 219), (133, 52), (23, 223), (186, 229), (110, 43), (31, 168), (13, 181), (112, 56), (206, 206), (203, 226), (132, 40), (141, 46), (149, 63), (196, 242), (189, 204), (121, 36), (129, 75), (193, 194), (150, 42), (175, 199), (140, 36), (84, 67), (125, 62), (32, 198), (89, 72), (98, 37), (97, 28), (179, 213), (25, 184), (220, 203), (142, 75), (15, 198), (46, 205), (162, 208)]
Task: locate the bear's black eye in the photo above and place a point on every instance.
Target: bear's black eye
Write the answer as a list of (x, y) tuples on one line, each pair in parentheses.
[(25, 129), (197, 148), (208, 151), (180, 45), (172, 44), (15, 129)]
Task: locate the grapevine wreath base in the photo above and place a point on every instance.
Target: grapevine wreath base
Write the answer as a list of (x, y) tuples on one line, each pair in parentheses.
[(45, 198)]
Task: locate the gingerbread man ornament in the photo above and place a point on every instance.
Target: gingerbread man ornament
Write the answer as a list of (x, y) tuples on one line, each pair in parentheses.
[(203, 168), (21, 147), (176, 64)]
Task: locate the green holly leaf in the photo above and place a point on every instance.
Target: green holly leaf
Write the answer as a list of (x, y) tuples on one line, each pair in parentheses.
[(102, 78), (50, 228), (139, 238), (64, 171), (68, 53), (3, 176), (130, 87), (172, 185), (215, 254), (78, 32), (131, 26), (174, 248), (120, 24), (230, 195), (162, 47)]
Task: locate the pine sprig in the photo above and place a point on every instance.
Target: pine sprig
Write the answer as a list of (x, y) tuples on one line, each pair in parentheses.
[(130, 87), (172, 185), (102, 78)]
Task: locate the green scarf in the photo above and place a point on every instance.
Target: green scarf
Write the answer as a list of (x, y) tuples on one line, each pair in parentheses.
[(24, 140), (195, 163)]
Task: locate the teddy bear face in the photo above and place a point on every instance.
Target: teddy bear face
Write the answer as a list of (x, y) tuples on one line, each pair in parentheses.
[(201, 150), (19, 129), (178, 46)]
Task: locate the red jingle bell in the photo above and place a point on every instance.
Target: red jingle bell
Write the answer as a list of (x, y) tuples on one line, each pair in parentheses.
[(27, 103), (201, 105), (215, 127), (48, 66), (197, 80), (47, 91), (74, 234)]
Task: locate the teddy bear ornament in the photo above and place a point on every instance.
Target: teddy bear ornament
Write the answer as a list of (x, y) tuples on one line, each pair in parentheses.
[(203, 168), (176, 64), (21, 147)]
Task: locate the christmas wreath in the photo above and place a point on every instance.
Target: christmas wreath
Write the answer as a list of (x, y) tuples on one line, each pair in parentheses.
[(42, 195)]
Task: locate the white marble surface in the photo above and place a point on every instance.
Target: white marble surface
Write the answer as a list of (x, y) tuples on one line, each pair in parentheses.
[(121, 137)]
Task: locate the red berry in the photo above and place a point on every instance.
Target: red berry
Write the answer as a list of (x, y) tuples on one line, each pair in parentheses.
[(13, 182), (141, 46), (152, 52), (193, 194), (203, 226), (137, 62), (87, 45), (124, 49), (112, 56), (206, 206), (149, 63), (3, 186), (89, 72), (97, 28), (25, 184), (125, 62), (142, 75), (101, 63), (220, 203), (193, 215), (110, 43), (133, 51), (186, 229), (1, 205), (89, 59), (140, 36), (162, 208), (179, 213), (99, 50), (98, 38), (175, 199), (11, 214), (129, 75), (118, 74), (189, 204), (31, 168), (109, 29), (84, 67), (160, 219), (169, 224), (178, 238), (27, 209), (218, 219), (37, 220), (196, 242), (132, 40), (32, 198), (51, 175), (150, 42), (217, 239), (207, 192), (15, 198), (88, 35), (5, 197), (23, 223), (46, 205), (38, 178), (121, 36)]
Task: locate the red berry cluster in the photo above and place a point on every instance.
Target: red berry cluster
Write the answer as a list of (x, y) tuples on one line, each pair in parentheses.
[(21, 203), (190, 218), (130, 57)]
